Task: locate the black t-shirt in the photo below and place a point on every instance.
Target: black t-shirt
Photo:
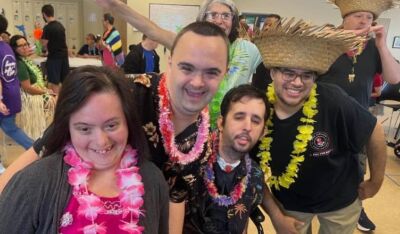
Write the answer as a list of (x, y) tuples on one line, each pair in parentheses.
[(328, 178), (85, 49), (54, 32), (367, 65)]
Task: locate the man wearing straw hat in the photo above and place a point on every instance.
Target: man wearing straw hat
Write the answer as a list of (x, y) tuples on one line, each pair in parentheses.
[(354, 70), (309, 154)]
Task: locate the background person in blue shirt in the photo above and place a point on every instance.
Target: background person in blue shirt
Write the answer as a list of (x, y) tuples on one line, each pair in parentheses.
[(142, 57)]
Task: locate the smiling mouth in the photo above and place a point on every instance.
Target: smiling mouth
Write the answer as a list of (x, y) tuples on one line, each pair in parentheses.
[(195, 94), (103, 151)]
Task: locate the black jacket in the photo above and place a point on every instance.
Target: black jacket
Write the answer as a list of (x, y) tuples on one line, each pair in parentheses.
[(135, 63)]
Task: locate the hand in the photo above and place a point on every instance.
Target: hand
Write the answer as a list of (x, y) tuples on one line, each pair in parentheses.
[(3, 109), (380, 35), (287, 225), (368, 189)]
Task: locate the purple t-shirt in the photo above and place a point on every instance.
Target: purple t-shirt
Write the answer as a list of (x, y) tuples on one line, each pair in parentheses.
[(9, 79)]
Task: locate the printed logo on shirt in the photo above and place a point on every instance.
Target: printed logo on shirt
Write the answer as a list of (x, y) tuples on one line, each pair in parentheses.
[(321, 144), (8, 68)]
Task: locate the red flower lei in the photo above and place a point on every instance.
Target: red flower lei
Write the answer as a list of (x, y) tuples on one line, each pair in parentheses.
[(209, 179), (129, 182), (168, 132)]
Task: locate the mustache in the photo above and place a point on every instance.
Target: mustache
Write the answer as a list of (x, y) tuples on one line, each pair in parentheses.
[(244, 135)]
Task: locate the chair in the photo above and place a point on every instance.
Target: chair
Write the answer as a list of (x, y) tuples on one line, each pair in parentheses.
[(390, 97), (258, 217)]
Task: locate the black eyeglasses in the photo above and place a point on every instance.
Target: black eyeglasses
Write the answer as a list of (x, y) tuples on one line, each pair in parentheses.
[(289, 75), (212, 15)]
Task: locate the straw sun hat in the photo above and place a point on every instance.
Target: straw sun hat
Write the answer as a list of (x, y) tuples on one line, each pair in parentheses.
[(376, 7), (303, 46)]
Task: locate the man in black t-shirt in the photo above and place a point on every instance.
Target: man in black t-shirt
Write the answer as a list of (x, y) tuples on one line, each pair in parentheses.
[(354, 70), (310, 151), (53, 38)]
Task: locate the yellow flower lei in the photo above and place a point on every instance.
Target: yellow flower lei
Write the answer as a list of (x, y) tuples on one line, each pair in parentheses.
[(299, 145)]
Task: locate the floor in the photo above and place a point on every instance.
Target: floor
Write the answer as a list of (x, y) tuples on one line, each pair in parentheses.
[(383, 209)]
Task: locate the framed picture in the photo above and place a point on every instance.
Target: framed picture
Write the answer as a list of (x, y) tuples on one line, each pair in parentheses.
[(396, 42)]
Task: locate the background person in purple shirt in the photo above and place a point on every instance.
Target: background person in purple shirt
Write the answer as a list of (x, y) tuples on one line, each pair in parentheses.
[(10, 97)]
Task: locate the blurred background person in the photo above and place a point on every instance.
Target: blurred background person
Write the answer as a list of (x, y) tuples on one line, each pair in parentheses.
[(89, 50), (142, 57)]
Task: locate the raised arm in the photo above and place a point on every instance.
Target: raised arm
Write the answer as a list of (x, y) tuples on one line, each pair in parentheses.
[(390, 67), (141, 23)]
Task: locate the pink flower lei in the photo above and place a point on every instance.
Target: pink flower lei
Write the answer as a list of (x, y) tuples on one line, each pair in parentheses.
[(209, 179), (129, 182), (168, 132)]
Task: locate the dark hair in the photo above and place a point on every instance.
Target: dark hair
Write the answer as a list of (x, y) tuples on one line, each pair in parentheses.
[(237, 93), (204, 29), (108, 17), (92, 36), (234, 34), (6, 32), (278, 17), (14, 45), (79, 85), (3, 23), (144, 36), (48, 10)]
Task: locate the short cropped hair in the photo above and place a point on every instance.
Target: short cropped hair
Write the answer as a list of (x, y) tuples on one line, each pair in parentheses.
[(236, 94), (108, 17), (48, 10), (204, 29)]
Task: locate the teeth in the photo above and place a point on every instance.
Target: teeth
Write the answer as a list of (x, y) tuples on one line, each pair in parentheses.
[(102, 151)]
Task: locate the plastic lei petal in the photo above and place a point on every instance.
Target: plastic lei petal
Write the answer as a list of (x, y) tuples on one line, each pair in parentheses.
[(128, 177), (90, 206), (132, 227), (95, 229), (78, 176)]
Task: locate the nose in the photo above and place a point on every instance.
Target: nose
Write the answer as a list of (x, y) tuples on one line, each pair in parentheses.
[(247, 124), (101, 138), (198, 80), (297, 81), (218, 20)]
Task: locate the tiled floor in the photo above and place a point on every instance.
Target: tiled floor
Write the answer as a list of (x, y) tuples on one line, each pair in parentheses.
[(383, 209)]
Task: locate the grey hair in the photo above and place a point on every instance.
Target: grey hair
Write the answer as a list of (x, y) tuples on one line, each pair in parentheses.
[(233, 35)]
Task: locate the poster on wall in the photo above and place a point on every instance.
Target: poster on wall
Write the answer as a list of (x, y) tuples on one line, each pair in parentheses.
[(173, 17), (255, 20)]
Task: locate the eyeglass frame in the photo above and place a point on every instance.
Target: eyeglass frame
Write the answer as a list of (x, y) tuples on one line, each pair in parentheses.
[(23, 45), (213, 15), (302, 76)]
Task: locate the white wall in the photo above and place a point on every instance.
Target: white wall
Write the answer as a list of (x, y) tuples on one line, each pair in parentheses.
[(316, 11)]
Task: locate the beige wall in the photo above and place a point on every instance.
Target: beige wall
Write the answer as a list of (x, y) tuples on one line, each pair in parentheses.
[(318, 12), (142, 6), (90, 12)]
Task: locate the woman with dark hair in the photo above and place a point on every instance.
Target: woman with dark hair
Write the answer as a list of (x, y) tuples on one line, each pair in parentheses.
[(94, 175), (244, 55), (38, 102)]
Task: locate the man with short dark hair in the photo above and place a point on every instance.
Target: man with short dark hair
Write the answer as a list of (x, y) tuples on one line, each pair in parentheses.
[(316, 130), (232, 183), (142, 58), (53, 38)]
